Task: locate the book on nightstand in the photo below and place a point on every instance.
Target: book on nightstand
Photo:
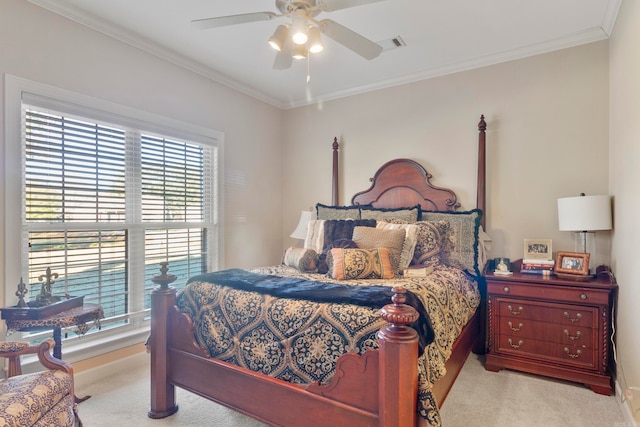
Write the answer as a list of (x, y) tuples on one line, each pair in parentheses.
[(537, 266)]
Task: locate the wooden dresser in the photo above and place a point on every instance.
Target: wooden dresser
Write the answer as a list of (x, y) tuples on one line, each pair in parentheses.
[(549, 326)]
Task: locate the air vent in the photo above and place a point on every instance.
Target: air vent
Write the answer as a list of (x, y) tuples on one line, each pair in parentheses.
[(392, 43)]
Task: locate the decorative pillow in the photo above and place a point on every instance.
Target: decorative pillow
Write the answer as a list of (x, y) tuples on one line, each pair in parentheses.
[(410, 214), (320, 233), (410, 240), (371, 238), (343, 229), (430, 240), (305, 260), (323, 268), (347, 264), (464, 233), (315, 235), (337, 212)]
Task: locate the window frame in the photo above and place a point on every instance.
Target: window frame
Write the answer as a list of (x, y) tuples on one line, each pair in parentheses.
[(19, 90)]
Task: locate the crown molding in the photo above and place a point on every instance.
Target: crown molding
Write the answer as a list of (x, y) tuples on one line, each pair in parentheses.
[(588, 36)]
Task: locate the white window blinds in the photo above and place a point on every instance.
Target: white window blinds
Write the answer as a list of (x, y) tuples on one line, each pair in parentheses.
[(105, 203)]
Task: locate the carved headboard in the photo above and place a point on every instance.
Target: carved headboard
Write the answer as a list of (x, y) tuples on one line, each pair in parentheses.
[(404, 182)]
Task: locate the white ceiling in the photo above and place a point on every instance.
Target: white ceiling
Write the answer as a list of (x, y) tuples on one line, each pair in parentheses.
[(441, 37)]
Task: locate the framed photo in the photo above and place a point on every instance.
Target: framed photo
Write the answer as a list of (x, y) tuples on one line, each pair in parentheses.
[(537, 249), (576, 263)]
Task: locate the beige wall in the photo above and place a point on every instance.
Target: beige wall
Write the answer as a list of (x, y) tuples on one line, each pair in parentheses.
[(624, 177), (547, 138)]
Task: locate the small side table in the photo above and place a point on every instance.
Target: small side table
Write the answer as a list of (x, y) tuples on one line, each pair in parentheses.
[(83, 318)]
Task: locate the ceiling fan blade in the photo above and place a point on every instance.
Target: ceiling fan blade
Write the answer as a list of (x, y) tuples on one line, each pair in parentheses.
[(284, 58), (350, 39), (331, 5), (223, 21)]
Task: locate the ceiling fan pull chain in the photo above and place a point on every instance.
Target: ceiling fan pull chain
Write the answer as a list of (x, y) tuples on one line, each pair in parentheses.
[(308, 68)]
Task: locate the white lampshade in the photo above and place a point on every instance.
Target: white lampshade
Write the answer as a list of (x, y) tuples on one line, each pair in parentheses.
[(299, 51), (315, 41), (279, 37), (301, 230), (584, 213), (299, 27)]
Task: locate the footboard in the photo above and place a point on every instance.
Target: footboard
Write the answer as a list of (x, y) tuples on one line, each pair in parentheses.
[(378, 388)]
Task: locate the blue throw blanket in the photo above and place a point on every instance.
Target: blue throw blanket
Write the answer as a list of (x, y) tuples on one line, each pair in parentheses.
[(299, 288)]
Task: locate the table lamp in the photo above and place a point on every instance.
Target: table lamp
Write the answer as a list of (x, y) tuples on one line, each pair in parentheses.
[(301, 229), (584, 215)]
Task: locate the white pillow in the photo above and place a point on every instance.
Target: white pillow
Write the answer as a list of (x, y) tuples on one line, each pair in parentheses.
[(315, 235)]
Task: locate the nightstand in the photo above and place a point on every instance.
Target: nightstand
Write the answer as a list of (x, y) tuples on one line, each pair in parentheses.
[(549, 326)]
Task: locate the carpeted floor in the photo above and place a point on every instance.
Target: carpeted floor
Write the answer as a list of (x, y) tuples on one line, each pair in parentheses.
[(478, 399)]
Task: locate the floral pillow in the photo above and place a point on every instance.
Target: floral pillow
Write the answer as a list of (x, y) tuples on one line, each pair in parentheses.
[(371, 238), (431, 240), (323, 268), (348, 264), (464, 237)]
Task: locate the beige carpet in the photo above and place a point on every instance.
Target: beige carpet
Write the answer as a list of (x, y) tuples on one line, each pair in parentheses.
[(478, 398)]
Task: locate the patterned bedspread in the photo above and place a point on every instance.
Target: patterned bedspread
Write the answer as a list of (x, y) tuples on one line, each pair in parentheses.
[(299, 341)]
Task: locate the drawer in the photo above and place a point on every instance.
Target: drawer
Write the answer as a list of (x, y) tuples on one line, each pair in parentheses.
[(571, 355), (566, 294), (551, 332), (560, 314)]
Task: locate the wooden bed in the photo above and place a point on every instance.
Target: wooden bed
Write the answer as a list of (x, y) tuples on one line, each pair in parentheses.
[(377, 388)]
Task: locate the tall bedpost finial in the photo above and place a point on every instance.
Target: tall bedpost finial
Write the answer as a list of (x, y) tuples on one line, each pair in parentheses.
[(482, 125), (334, 192), (481, 201), (164, 279)]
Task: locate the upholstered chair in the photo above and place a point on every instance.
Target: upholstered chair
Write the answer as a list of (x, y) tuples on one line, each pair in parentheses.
[(39, 399)]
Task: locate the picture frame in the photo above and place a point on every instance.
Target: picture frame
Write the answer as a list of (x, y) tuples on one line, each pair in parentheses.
[(572, 263), (537, 249)]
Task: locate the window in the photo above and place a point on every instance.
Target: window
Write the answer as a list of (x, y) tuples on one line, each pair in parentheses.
[(107, 198)]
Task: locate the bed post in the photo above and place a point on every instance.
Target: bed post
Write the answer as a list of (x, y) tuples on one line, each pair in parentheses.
[(481, 202), (398, 378), (163, 298), (335, 192)]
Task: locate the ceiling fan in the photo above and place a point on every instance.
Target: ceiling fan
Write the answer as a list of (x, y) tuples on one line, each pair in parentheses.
[(302, 35)]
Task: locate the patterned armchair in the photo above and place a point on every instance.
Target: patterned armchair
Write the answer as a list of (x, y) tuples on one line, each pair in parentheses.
[(39, 399)]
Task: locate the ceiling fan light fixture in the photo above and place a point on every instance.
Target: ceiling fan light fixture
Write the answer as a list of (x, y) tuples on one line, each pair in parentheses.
[(299, 51), (315, 41), (299, 27), (279, 37)]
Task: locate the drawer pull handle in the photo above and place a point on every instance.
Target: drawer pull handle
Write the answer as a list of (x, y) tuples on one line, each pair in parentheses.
[(575, 337), (576, 319), (515, 313), (583, 296), (518, 328), (573, 356), (520, 342), (506, 289)]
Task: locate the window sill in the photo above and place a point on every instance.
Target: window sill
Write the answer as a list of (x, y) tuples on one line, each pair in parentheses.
[(85, 347)]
